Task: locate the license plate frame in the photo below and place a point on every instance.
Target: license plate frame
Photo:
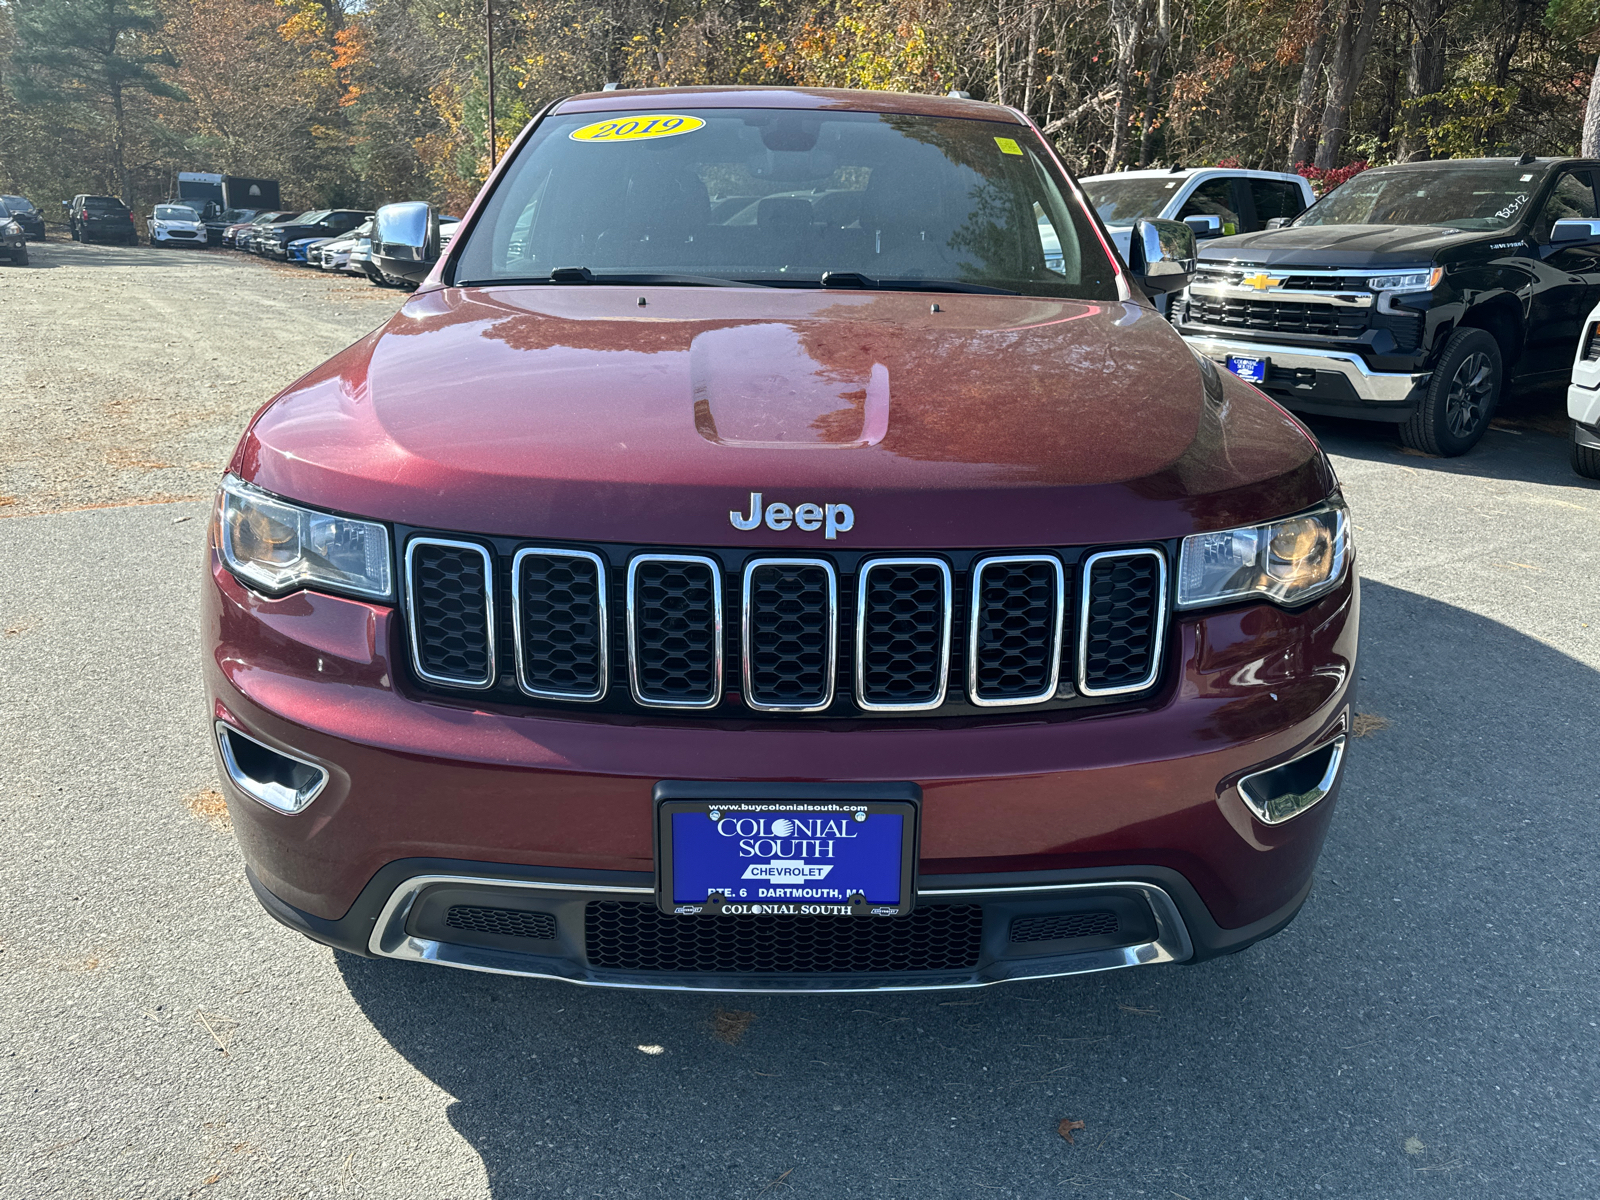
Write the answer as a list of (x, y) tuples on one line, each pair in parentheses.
[(1249, 367), (884, 863)]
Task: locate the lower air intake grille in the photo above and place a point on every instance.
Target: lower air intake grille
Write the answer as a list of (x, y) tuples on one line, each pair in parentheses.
[(1064, 925), (450, 607), (627, 936), (676, 624), (1124, 592), (904, 650), (561, 624), (503, 922)]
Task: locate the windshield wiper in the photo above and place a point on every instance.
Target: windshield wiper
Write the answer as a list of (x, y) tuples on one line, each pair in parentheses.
[(855, 279), (585, 275)]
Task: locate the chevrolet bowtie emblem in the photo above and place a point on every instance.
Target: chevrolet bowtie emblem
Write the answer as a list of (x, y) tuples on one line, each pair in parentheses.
[(1259, 282)]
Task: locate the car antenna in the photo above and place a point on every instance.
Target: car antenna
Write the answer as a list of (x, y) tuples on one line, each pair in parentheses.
[(1176, 167), (958, 94), (1525, 159), (611, 87)]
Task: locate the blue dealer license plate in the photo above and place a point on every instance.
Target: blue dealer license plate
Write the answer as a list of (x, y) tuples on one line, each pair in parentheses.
[(786, 857), (1253, 369)]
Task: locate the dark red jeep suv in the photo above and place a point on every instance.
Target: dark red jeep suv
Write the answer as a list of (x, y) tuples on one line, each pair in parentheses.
[(781, 548)]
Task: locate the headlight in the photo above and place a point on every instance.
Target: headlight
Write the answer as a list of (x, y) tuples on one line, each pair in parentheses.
[(1290, 561), (1406, 281), (280, 546)]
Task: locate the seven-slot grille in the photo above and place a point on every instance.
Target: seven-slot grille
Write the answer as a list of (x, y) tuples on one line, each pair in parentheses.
[(812, 635)]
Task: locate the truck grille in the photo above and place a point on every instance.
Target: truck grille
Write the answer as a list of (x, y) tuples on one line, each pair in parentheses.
[(626, 935), (1278, 316), (842, 634)]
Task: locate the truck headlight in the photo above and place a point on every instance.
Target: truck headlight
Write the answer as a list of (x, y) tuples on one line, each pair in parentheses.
[(1406, 281), (281, 547), (1289, 561)]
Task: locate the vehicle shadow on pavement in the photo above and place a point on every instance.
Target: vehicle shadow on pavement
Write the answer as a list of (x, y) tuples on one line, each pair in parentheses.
[(1439, 978), (1527, 442)]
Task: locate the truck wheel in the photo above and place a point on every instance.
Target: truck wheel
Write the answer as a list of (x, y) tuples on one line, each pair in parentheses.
[(1460, 399), (19, 258), (1585, 459)]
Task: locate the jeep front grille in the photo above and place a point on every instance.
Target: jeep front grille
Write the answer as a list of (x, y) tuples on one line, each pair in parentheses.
[(448, 584), (842, 634)]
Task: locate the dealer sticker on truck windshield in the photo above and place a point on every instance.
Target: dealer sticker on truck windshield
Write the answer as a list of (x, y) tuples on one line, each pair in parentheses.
[(787, 858)]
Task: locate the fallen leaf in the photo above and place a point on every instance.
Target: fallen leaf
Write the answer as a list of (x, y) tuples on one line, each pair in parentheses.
[(728, 1025), (1066, 1127), (1414, 1145), (210, 807)]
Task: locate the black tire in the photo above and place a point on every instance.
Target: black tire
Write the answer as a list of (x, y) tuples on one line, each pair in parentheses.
[(1585, 459), (1461, 398), (19, 256)]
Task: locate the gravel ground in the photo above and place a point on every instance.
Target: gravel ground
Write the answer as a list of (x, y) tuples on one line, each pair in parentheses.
[(1429, 1027), (128, 373)]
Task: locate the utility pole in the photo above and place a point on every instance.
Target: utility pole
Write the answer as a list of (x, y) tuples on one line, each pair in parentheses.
[(488, 39)]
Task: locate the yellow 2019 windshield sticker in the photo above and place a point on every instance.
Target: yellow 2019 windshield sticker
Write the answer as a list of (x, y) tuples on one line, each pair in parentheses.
[(636, 129), (1008, 146)]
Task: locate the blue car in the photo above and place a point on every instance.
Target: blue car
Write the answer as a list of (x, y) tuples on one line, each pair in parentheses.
[(299, 248)]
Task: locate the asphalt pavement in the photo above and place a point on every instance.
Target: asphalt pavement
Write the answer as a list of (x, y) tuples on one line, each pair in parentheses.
[(1428, 1027)]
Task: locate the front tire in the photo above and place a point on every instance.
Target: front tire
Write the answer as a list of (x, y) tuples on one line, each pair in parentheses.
[(1461, 398), (1585, 459), (19, 257)]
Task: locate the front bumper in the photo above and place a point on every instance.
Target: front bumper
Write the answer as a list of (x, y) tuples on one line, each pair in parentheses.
[(1138, 807), (1330, 382), (1583, 406)]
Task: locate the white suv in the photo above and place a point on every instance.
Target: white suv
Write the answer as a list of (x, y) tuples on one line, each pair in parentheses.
[(1583, 400), (1241, 201)]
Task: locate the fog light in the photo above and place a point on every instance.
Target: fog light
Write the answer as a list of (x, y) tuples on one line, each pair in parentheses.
[(267, 775), (1287, 790)]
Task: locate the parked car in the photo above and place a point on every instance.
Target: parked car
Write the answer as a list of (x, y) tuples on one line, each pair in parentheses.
[(1215, 201), (334, 254), (175, 225), (1413, 294), (21, 210), (360, 260), (300, 250), (965, 627), (101, 219), (1583, 399), (233, 235), (217, 226), (13, 239), (255, 236), (274, 241)]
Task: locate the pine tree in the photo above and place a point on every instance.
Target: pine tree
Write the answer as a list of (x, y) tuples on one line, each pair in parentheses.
[(92, 53)]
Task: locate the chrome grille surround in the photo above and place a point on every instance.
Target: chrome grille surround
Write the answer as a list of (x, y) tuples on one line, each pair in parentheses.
[(634, 631), (602, 634), (1086, 617), (863, 581), (974, 691), (411, 612), (748, 635)]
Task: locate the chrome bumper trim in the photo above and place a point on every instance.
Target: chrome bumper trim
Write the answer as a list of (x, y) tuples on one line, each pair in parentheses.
[(1379, 387), (1172, 944)]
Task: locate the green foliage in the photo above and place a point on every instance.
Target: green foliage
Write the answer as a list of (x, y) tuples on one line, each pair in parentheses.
[(1464, 121)]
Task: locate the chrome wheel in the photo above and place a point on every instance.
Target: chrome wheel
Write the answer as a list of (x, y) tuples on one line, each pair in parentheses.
[(1471, 388)]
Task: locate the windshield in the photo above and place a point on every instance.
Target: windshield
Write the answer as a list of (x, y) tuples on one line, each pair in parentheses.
[(1124, 201), (1473, 197), (17, 203), (781, 197), (310, 218), (234, 216), (174, 212)]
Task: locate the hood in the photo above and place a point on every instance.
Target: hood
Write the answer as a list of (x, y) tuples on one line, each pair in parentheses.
[(1344, 245), (647, 415)]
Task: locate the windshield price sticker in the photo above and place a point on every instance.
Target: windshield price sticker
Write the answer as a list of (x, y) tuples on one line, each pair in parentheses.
[(787, 857), (1008, 145), (637, 129)]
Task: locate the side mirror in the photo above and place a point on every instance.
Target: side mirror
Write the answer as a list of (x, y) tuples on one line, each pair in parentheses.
[(1571, 231), (1278, 222), (1205, 227), (1161, 255), (409, 230)]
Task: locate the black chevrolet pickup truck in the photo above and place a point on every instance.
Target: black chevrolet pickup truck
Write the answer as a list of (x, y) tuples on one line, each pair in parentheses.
[(1413, 294)]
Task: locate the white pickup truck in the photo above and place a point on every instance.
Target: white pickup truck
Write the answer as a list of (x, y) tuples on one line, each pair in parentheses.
[(1214, 201), (1583, 400)]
